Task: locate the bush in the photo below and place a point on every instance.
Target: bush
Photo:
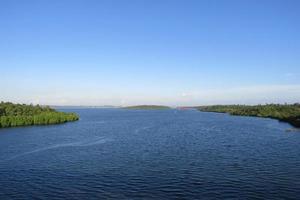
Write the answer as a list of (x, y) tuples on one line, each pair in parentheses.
[(24, 115), (287, 112)]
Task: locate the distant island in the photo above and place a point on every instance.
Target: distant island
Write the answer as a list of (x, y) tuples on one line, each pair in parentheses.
[(287, 113), (147, 107), (12, 115)]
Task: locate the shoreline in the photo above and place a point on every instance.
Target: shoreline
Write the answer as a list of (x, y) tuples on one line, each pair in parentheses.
[(282, 113)]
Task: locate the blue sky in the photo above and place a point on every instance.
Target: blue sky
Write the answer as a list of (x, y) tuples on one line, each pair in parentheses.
[(70, 52)]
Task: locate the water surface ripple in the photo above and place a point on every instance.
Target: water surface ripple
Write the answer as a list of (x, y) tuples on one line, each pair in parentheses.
[(167, 154)]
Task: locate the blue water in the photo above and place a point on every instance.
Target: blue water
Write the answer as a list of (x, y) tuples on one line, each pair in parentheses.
[(135, 154)]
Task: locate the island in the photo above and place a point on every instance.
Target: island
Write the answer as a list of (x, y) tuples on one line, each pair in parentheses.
[(12, 115), (147, 107), (283, 112)]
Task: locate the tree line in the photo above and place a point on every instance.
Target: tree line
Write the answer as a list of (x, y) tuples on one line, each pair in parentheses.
[(24, 115), (283, 112)]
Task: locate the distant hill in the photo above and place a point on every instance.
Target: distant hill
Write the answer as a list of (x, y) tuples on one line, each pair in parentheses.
[(147, 107)]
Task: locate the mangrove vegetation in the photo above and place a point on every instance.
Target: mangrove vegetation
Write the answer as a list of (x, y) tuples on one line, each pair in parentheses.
[(12, 115), (283, 112)]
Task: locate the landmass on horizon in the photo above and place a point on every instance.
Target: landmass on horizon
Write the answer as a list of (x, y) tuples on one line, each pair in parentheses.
[(147, 107), (12, 115)]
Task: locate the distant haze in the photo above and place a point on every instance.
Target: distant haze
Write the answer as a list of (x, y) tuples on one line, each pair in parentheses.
[(177, 53)]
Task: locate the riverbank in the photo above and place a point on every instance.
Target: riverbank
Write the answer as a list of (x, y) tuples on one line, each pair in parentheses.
[(12, 115), (289, 113)]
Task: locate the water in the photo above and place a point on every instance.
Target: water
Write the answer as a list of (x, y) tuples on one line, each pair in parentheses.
[(135, 154)]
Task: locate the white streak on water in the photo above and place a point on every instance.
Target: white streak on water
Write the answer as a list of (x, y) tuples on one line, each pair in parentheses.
[(95, 122), (142, 129), (73, 144)]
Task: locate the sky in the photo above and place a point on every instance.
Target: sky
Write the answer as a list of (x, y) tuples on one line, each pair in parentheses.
[(171, 52)]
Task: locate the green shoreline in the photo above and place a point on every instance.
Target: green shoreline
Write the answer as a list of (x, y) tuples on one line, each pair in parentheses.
[(15, 115), (289, 113)]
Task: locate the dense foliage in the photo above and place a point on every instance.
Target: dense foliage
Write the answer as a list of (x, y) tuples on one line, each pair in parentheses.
[(148, 107), (287, 112), (24, 115)]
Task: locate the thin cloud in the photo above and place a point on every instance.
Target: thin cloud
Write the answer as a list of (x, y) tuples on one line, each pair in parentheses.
[(256, 94)]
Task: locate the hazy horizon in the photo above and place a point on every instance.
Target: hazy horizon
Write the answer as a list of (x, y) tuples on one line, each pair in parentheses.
[(174, 53)]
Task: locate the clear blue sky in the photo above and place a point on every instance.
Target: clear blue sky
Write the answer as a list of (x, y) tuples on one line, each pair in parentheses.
[(126, 52)]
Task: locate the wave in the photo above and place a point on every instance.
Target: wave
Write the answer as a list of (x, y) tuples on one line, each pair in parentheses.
[(142, 129), (73, 144)]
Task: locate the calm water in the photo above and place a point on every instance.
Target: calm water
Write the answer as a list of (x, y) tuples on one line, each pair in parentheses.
[(122, 154)]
